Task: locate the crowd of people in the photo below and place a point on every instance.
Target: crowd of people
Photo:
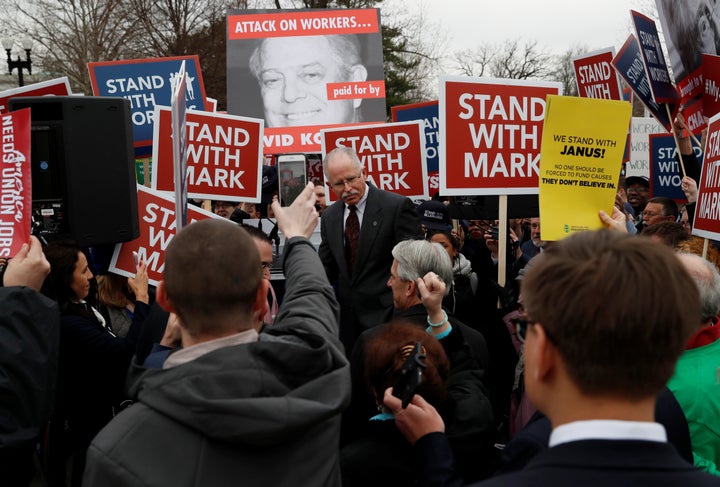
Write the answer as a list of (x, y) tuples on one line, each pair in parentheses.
[(391, 356)]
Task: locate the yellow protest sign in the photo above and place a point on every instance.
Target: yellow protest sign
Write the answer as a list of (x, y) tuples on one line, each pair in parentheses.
[(581, 155)]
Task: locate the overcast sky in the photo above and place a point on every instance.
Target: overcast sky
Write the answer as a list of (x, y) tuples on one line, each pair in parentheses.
[(555, 24)]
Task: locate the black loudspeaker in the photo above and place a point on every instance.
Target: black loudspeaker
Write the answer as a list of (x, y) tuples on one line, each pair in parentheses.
[(83, 168)]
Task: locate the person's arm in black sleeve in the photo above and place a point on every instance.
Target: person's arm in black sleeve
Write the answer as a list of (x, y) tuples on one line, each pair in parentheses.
[(29, 337)]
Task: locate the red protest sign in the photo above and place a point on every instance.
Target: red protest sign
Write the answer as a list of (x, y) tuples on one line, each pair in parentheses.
[(393, 155), (707, 208), (595, 76), (224, 155), (302, 23), (490, 133), (57, 87), (711, 85), (15, 182), (157, 228), (282, 140)]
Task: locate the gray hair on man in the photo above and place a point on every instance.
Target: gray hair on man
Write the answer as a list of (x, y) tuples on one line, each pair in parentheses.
[(348, 151), (416, 258), (707, 278)]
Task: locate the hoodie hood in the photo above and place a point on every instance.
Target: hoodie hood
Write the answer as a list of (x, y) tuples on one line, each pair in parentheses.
[(259, 393)]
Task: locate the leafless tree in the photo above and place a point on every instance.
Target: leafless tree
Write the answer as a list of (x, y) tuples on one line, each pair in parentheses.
[(70, 33), (511, 59), (563, 70), (516, 61)]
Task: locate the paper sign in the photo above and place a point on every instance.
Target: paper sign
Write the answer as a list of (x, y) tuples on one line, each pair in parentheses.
[(224, 156), (15, 182), (393, 155), (640, 130), (582, 148), (157, 228), (490, 132)]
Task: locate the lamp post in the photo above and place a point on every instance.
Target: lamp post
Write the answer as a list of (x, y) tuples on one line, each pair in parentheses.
[(26, 44)]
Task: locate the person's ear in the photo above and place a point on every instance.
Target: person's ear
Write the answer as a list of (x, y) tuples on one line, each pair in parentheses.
[(260, 306), (545, 353), (358, 72), (162, 298), (411, 289)]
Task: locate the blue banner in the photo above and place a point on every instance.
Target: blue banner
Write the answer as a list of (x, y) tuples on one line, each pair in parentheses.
[(665, 173), (629, 64), (427, 113), (656, 68), (146, 83)]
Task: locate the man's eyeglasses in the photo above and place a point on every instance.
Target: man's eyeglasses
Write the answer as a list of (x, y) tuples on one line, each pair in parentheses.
[(265, 265), (341, 184), (521, 327)]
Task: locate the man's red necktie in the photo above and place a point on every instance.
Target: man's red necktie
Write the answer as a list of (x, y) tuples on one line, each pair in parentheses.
[(352, 235)]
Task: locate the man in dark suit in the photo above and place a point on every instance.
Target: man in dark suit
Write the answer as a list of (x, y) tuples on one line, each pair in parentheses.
[(357, 255), (607, 317)]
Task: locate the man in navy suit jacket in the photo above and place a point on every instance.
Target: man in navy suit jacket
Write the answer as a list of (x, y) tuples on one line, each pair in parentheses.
[(385, 219), (608, 316)]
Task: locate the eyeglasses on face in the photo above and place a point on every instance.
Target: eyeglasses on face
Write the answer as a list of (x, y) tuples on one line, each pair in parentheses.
[(521, 327), (265, 265), (341, 183)]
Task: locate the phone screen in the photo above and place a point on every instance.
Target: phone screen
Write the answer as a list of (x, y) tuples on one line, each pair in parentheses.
[(291, 177)]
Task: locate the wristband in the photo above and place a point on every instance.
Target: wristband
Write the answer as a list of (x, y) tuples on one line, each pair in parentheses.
[(442, 335), (435, 325)]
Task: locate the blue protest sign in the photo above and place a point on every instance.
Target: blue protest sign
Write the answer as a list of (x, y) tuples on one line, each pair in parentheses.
[(665, 173), (427, 113), (146, 83), (629, 64), (653, 59)]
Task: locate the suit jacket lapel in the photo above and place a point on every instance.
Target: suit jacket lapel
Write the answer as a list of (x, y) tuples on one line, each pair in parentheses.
[(336, 236), (371, 222)]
